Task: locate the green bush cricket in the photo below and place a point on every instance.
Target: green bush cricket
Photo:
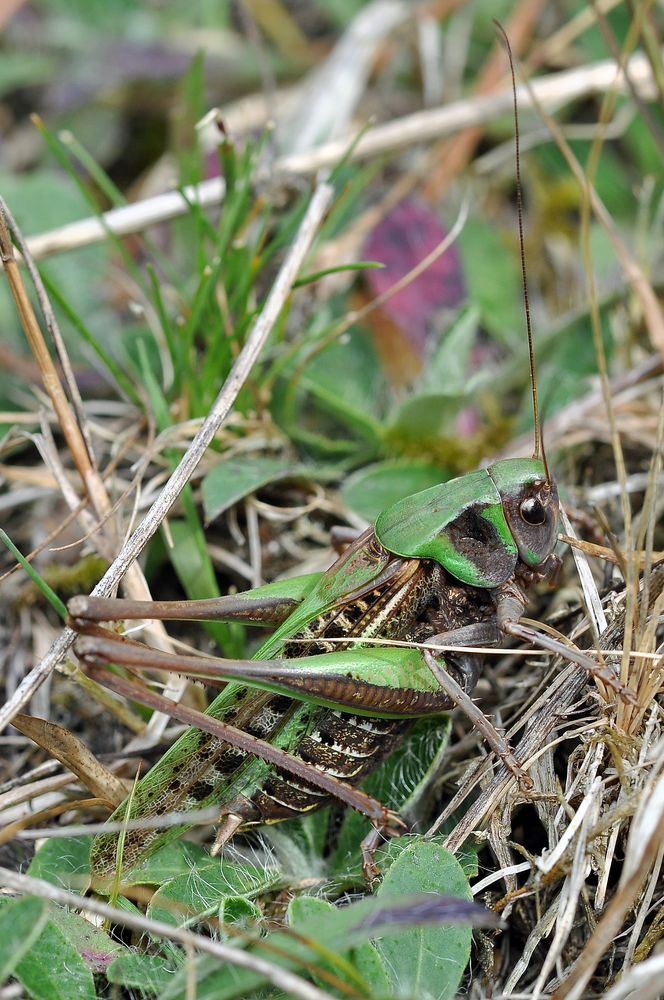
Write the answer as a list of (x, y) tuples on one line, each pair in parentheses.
[(316, 710), (447, 565)]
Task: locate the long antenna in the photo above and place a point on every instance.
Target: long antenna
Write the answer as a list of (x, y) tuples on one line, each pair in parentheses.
[(539, 445)]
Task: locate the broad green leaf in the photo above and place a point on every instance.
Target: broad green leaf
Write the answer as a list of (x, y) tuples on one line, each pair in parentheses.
[(64, 862), (177, 858), (299, 843), (448, 370), (240, 912), (364, 958), (21, 923), (213, 982), (205, 887), (235, 478), (375, 487), (331, 933), (92, 943), (426, 416), (569, 367), (493, 279), (347, 373), (54, 970), (426, 962), (150, 973), (43, 199), (340, 391)]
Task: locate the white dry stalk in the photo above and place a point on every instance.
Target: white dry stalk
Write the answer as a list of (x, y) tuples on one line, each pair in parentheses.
[(183, 472), (589, 587), (549, 861), (541, 930), (640, 982), (603, 879), (553, 92), (648, 818), (194, 817), (330, 94), (523, 866), (640, 859), (573, 886), (644, 909), (585, 775)]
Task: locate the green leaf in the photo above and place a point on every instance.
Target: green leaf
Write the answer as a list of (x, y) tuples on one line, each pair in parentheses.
[(213, 982), (375, 487), (427, 962), (54, 970), (426, 416), (235, 478), (177, 858), (333, 935), (41, 200), (21, 923), (360, 265), (92, 943), (493, 278), (447, 371), (38, 581), (240, 913), (149, 973), (364, 958), (206, 887), (64, 862), (193, 565), (346, 382)]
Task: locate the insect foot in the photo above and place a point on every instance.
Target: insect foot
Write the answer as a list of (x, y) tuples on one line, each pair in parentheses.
[(393, 826)]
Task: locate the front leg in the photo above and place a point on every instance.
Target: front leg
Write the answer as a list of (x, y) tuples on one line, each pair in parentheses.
[(510, 603), (458, 672)]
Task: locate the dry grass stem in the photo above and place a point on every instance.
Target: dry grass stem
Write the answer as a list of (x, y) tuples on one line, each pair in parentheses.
[(553, 92)]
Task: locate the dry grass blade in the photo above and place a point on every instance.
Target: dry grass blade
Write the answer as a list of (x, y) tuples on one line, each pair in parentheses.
[(70, 751), (643, 848), (644, 557), (553, 91), (69, 423), (590, 834)]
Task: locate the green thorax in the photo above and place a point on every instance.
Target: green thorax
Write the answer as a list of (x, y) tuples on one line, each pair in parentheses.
[(461, 524)]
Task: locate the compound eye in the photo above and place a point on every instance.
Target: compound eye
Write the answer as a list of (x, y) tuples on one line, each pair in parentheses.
[(533, 511)]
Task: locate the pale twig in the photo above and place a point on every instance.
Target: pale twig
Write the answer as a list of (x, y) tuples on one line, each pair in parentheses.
[(281, 978), (552, 91), (187, 465)]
